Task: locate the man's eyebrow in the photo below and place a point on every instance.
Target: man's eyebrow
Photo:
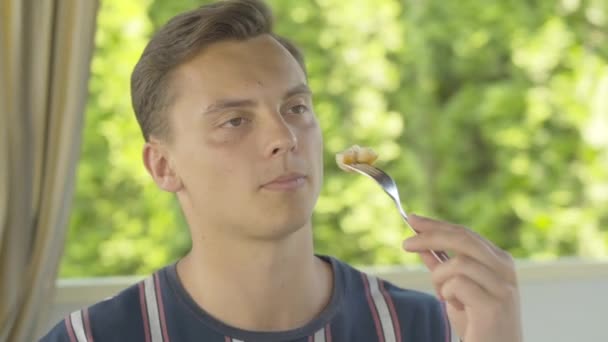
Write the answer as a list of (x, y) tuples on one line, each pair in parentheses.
[(224, 104), (301, 88)]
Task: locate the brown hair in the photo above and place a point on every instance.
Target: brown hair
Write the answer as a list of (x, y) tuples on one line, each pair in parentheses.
[(183, 37)]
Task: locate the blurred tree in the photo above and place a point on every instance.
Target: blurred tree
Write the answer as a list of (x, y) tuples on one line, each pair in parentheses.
[(494, 116)]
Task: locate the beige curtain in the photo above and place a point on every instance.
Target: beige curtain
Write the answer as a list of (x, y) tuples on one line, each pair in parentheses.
[(45, 52)]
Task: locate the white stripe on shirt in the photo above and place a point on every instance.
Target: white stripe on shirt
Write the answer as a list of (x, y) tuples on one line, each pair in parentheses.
[(78, 326), (152, 306), (386, 321), (319, 336)]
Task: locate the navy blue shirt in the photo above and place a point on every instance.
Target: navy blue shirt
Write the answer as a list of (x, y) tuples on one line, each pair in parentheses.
[(362, 308)]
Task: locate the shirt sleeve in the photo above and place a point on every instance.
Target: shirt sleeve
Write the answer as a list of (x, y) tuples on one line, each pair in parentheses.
[(58, 333)]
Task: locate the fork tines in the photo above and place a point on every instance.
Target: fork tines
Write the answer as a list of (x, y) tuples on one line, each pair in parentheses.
[(368, 168)]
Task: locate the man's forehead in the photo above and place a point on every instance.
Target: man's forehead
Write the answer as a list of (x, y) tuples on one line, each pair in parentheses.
[(236, 65), (261, 53)]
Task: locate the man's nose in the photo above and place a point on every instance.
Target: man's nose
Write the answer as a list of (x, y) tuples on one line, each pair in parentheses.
[(282, 138)]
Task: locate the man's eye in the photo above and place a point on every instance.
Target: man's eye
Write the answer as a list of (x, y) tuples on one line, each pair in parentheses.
[(299, 109), (236, 122)]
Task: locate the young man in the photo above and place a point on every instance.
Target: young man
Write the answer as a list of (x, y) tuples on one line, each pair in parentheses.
[(227, 115)]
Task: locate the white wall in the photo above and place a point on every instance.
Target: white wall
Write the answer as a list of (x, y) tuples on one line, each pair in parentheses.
[(561, 301)]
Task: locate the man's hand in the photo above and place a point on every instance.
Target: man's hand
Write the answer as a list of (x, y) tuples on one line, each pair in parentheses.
[(478, 283)]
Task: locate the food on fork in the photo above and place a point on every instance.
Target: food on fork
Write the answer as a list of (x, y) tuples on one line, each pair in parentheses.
[(355, 155)]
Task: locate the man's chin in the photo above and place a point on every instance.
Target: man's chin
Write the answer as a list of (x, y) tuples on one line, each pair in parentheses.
[(276, 231)]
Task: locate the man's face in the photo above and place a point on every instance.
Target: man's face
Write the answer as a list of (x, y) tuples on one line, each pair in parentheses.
[(246, 144)]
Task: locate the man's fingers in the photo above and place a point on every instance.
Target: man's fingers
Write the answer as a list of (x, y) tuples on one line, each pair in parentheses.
[(479, 278), (461, 265), (422, 223), (429, 260), (437, 235), (428, 224), (466, 291)]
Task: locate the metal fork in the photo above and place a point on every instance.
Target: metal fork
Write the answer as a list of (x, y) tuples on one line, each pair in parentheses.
[(388, 185)]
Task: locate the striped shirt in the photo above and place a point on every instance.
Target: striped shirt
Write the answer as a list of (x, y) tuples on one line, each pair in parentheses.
[(158, 309)]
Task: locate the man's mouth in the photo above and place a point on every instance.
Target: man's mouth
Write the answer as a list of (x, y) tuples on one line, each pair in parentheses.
[(286, 182)]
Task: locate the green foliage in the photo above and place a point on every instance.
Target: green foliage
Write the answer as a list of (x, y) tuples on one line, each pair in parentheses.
[(494, 116)]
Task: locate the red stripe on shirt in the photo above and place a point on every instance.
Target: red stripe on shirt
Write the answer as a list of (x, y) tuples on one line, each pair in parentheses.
[(372, 308), (144, 312), (87, 325), (391, 307), (159, 299), (70, 329), (327, 333)]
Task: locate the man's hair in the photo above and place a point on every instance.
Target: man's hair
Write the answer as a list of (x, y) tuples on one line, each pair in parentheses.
[(182, 38)]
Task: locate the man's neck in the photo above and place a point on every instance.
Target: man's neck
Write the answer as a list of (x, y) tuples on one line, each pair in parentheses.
[(258, 286)]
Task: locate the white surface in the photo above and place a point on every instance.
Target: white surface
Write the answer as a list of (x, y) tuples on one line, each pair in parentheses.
[(561, 301)]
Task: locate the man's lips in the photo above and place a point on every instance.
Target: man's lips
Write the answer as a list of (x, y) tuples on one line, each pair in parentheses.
[(288, 181)]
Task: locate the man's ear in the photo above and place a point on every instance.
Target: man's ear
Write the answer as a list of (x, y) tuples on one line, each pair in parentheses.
[(157, 162)]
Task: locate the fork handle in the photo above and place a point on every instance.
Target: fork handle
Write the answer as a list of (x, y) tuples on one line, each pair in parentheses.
[(441, 256)]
